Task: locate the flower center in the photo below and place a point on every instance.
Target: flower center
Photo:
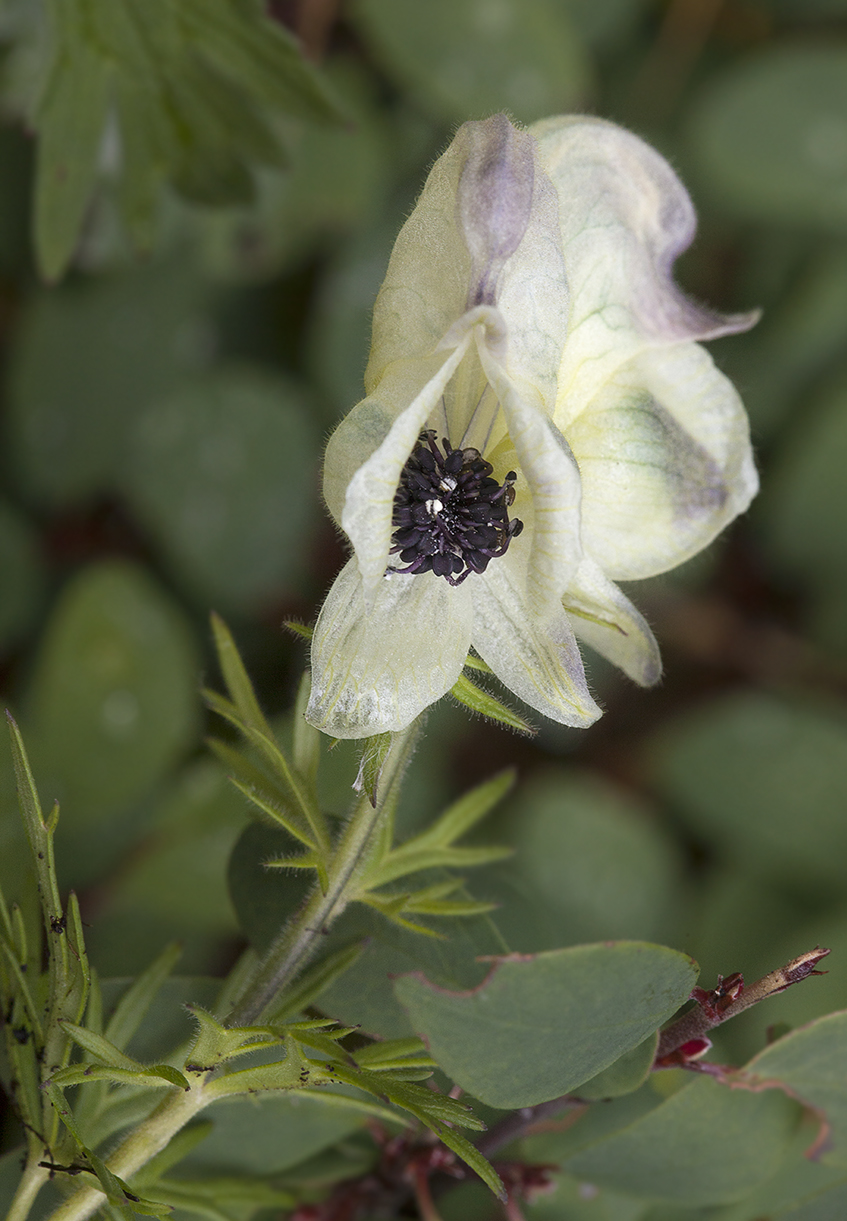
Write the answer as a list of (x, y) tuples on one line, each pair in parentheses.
[(450, 516)]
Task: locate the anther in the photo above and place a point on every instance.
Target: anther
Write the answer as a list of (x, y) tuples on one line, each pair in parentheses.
[(450, 513)]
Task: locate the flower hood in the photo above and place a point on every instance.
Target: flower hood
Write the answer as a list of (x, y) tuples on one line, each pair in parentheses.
[(529, 336)]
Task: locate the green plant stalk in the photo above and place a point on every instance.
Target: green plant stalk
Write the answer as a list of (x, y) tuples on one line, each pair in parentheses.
[(283, 962), (32, 1180), (299, 941), (148, 1139)]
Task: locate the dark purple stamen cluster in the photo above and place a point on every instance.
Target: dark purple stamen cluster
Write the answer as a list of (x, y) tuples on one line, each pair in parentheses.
[(450, 516)]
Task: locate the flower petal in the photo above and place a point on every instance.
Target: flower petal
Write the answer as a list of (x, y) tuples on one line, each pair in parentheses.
[(610, 624), (625, 217), (369, 503), (376, 667), (539, 660), (366, 425), (548, 467), (665, 459), (485, 223)]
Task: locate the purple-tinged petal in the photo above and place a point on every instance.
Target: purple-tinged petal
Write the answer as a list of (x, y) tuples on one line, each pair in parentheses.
[(665, 460), (625, 217)]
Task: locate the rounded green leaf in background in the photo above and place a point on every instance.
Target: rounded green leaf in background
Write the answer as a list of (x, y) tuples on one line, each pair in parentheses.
[(269, 1133), (175, 888), (807, 496), (113, 700), (706, 1144), (468, 60), (589, 864), (605, 22), (812, 1064), (89, 355), (224, 475), (769, 136), (540, 1025), (765, 781), (22, 576)]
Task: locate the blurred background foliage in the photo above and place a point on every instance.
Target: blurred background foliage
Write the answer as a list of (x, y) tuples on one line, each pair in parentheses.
[(189, 253)]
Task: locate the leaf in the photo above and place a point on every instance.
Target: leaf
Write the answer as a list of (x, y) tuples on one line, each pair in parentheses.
[(71, 121), (480, 701), (393, 1052), (625, 1075), (374, 754), (406, 860), (219, 474), (764, 779), (297, 795), (89, 356), (99, 1047), (468, 61), (39, 833), (119, 1194), (192, 80), (139, 996), (437, 1111), (705, 1145), (260, 55), (807, 1063), (465, 813), (203, 1197), (768, 134), (112, 702), (592, 863), (266, 1134), (216, 1044), (807, 498), (306, 740), (539, 1026), (236, 677), (149, 1075), (257, 786), (316, 979), (335, 181)]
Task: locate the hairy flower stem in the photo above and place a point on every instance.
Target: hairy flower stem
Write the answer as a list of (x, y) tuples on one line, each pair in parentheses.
[(285, 959), (299, 941), (148, 1139), (32, 1180)]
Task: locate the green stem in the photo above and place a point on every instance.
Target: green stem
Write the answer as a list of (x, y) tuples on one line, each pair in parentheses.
[(286, 958), (149, 1138), (300, 940), (32, 1180)]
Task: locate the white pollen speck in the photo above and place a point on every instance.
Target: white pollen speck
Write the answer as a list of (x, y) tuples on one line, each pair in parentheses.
[(434, 507), (448, 483)]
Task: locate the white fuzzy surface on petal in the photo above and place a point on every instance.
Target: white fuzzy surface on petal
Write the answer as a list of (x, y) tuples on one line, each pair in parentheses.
[(537, 659), (607, 621), (552, 478), (625, 217), (376, 667), (665, 459)]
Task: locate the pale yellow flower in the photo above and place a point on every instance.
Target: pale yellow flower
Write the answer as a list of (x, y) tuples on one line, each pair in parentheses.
[(528, 320)]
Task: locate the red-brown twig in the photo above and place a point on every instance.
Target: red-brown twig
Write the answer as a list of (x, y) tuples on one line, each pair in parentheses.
[(686, 1038)]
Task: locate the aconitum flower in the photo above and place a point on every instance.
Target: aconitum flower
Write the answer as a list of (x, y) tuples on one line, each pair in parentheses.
[(539, 423)]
